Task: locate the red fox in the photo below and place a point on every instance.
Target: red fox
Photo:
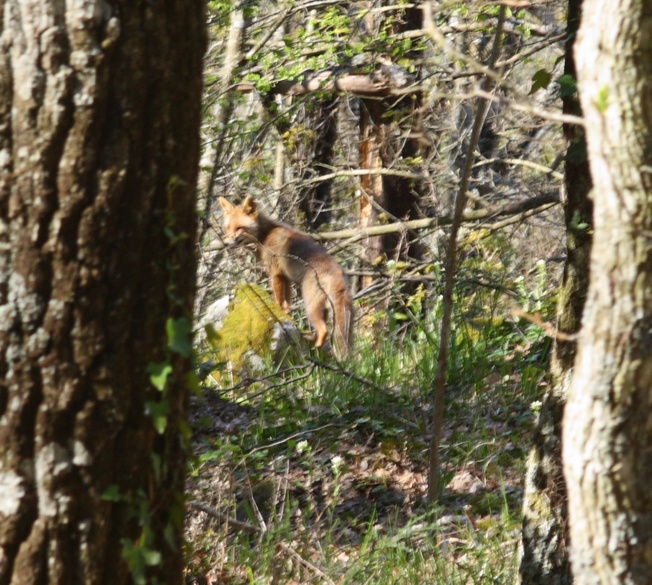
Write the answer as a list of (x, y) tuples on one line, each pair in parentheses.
[(291, 256)]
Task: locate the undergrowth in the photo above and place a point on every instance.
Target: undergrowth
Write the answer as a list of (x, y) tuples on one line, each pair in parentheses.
[(316, 473)]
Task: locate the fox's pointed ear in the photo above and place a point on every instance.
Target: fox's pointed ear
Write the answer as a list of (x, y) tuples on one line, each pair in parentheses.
[(226, 205), (249, 206)]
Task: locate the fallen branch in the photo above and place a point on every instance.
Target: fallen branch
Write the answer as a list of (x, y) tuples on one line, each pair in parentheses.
[(530, 206), (540, 202), (387, 79), (243, 526)]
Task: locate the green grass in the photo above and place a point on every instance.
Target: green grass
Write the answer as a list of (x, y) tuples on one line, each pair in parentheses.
[(318, 472)]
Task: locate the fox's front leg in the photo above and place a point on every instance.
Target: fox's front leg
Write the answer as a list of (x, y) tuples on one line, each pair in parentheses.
[(281, 289)]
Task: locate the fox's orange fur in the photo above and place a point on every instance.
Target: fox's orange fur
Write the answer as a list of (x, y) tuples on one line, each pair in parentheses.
[(291, 256)]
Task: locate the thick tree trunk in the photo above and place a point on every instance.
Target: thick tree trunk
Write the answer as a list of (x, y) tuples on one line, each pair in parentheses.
[(315, 202), (608, 420), (545, 539), (382, 147), (387, 195), (99, 123)]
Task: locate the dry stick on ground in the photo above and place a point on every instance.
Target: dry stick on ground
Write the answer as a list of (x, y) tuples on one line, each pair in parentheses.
[(439, 383)]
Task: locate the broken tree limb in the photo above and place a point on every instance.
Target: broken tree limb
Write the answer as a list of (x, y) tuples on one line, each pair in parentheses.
[(530, 206), (364, 172), (387, 79), (540, 202)]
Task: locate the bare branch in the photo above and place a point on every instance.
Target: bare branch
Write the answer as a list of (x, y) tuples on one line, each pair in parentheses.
[(363, 172), (388, 79), (525, 163), (244, 526), (549, 329), (439, 383), (530, 108), (530, 206), (539, 203)]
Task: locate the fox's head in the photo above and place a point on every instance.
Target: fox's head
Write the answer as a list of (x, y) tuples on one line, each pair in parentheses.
[(240, 221)]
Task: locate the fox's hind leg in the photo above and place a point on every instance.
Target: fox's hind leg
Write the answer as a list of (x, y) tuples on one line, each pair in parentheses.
[(316, 311)]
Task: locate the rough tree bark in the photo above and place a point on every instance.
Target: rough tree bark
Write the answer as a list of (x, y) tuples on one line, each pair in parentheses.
[(99, 142), (545, 551), (382, 147), (608, 420), (398, 197), (315, 201)]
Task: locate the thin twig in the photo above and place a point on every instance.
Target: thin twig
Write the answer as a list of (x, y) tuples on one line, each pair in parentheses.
[(525, 163), (493, 227), (363, 172), (491, 78), (305, 562), (289, 438), (548, 328), (244, 526), (347, 374), (249, 380)]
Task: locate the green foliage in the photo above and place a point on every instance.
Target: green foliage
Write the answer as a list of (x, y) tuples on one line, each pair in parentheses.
[(140, 552), (535, 293), (159, 374), (179, 336), (540, 80), (602, 102), (320, 462), (567, 85), (158, 411), (313, 463), (158, 527), (139, 557)]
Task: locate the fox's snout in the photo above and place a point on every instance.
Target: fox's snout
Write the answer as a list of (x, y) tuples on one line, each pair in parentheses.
[(237, 237), (230, 240)]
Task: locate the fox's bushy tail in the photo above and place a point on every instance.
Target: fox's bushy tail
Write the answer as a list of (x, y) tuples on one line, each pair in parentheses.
[(343, 316)]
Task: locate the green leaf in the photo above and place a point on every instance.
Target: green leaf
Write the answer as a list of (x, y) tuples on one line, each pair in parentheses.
[(192, 381), (540, 80), (567, 85), (603, 100), (112, 494), (170, 536), (158, 374), (158, 411), (132, 554), (151, 557), (179, 336)]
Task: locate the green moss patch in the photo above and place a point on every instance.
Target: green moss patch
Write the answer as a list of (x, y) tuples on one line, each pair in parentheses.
[(248, 327)]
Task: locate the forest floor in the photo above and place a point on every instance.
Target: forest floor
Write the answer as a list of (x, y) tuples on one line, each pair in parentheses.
[(320, 476)]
